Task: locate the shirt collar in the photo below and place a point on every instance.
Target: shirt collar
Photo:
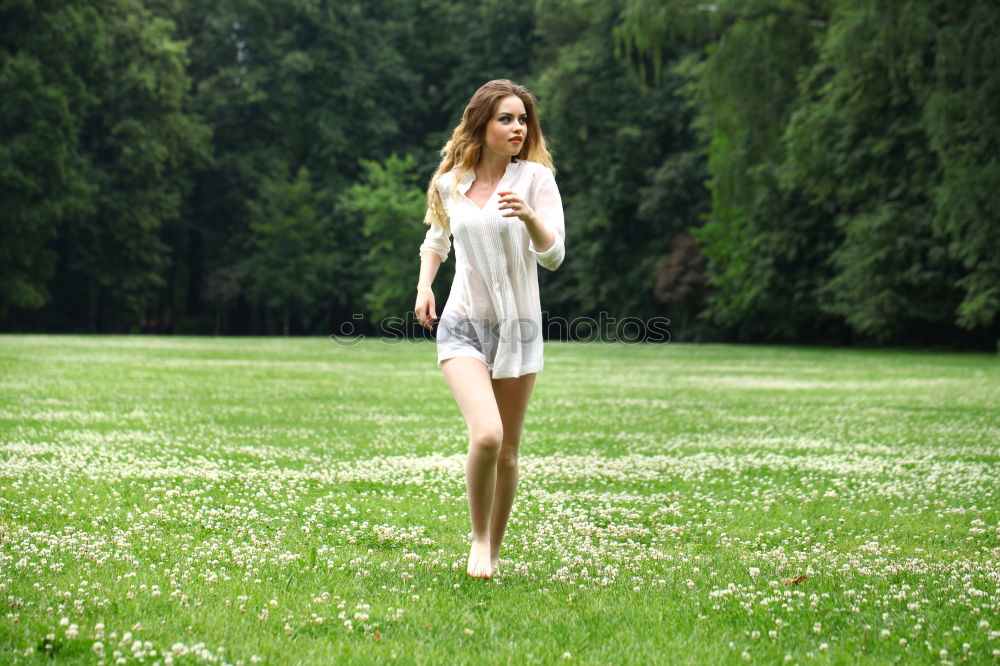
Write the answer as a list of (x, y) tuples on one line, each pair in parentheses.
[(467, 179)]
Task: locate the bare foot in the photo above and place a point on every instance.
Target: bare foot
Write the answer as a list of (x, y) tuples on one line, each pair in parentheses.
[(479, 560)]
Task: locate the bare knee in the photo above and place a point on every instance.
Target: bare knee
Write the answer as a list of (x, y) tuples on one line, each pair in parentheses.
[(487, 438)]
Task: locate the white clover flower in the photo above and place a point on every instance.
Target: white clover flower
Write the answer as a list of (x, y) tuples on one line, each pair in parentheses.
[(885, 633)]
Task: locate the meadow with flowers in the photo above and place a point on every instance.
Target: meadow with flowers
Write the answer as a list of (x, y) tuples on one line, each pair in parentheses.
[(172, 500)]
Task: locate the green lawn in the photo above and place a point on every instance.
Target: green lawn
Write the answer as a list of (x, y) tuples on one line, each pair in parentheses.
[(293, 501)]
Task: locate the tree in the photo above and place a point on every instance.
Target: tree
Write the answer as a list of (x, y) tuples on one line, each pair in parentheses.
[(304, 84), (767, 247), (138, 142), (45, 51), (851, 148), (221, 287), (626, 164), (682, 283), (858, 146), (289, 255), (963, 126), (389, 204)]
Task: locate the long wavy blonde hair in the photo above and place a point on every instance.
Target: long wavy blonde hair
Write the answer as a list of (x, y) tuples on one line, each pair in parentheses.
[(463, 150)]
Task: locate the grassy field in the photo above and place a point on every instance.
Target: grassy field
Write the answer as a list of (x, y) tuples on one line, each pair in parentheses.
[(260, 500)]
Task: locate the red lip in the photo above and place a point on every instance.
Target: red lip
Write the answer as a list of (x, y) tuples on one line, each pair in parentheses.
[(516, 139)]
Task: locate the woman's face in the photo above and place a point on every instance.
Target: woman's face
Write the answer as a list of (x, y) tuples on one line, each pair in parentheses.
[(508, 128)]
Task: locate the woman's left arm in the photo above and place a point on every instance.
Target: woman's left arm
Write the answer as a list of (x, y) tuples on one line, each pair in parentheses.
[(544, 221), (540, 235)]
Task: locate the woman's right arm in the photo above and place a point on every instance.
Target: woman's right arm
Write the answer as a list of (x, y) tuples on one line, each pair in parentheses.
[(433, 251), (424, 308)]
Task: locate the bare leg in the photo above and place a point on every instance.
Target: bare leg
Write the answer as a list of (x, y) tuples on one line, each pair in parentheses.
[(512, 395), (470, 383)]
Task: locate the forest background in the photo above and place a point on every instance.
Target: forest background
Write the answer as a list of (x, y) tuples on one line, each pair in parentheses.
[(753, 170)]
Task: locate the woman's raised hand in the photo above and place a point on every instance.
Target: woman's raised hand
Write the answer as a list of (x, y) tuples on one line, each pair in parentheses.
[(424, 307), (512, 201)]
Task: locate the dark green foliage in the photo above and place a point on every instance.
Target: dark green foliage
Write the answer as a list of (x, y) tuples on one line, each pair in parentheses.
[(627, 169), (139, 144), (797, 170), (851, 149), (97, 152), (383, 207), (290, 254), (45, 48), (325, 86), (858, 147), (963, 125), (766, 247)]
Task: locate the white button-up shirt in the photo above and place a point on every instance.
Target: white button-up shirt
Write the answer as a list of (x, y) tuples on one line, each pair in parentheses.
[(493, 312)]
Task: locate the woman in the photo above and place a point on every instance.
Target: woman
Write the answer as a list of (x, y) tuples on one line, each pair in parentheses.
[(495, 193)]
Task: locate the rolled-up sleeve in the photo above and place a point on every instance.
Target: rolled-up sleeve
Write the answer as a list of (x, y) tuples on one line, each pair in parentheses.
[(547, 205), (437, 240)]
